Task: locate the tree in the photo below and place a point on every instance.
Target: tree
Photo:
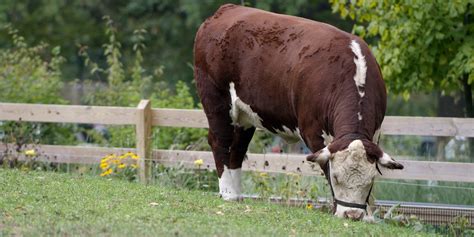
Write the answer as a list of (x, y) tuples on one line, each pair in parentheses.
[(71, 24), (421, 46), (171, 26)]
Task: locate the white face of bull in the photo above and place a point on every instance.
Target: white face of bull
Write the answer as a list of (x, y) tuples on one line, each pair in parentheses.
[(351, 176)]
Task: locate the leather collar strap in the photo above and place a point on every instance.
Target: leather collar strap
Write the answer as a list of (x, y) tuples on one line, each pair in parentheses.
[(350, 204), (340, 202)]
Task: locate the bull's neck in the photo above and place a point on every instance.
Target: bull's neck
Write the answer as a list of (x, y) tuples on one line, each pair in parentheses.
[(349, 122)]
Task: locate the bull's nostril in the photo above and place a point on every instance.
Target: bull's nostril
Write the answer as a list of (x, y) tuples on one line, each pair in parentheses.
[(354, 214)]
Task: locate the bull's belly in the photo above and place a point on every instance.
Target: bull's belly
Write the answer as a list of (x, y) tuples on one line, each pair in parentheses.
[(243, 116)]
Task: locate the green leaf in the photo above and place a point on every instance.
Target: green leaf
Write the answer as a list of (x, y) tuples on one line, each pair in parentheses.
[(406, 95), (56, 50)]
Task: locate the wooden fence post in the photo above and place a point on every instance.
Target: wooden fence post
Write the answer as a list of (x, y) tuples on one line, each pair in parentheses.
[(143, 133)]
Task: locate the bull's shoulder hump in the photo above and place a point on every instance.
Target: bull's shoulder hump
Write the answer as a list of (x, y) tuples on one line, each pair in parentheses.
[(226, 7), (229, 15), (228, 12)]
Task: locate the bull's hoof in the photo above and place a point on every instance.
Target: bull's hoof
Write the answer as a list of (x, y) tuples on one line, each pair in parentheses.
[(231, 197)]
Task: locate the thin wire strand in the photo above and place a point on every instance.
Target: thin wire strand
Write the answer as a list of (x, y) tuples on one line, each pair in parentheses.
[(425, 185)]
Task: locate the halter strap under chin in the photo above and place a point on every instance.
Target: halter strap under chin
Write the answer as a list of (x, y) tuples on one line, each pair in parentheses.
[(348, 204)]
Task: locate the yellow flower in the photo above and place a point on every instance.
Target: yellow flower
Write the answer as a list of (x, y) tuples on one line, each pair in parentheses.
[(122, 166), (309, 206), (108, 157), (134, 156), (31, 152), (198, 162), (134, 166), (104, 165), (263, 174), (107, 172)]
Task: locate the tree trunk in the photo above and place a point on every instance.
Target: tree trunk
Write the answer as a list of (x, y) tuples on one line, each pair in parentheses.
[(448, 106), (469, 112), (467, 96)]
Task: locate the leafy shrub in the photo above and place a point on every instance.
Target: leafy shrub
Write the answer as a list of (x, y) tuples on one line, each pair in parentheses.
[(30, 74), (126, 86), (19, 148)]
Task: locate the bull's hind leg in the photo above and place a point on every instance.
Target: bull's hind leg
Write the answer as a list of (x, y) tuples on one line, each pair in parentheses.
[(238, 151), (229, 161), (217, 104), (228, 143), (240, 144)]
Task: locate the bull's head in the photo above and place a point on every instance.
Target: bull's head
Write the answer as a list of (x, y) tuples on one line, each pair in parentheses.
[(350, 170)]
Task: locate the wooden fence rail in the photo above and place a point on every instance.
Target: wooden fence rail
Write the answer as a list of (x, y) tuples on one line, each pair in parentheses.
[(392, 125), (143, 118)]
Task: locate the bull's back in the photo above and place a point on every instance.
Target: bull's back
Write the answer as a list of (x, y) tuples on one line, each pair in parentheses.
[(253, 47), (284, 67), (239, 42)]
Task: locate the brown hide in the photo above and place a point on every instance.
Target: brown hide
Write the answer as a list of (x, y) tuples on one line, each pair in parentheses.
[(292, 72)]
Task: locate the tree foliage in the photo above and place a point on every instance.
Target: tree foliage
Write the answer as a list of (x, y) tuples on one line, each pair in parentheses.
[(170, 26), (30, 74), (420, 45), (73, 24), (127, 83)]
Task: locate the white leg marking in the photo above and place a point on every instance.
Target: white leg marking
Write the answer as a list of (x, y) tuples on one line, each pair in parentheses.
[(229, 184), (361, 66)]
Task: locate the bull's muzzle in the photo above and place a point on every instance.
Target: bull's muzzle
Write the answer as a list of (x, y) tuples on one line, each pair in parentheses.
[(354, 214)]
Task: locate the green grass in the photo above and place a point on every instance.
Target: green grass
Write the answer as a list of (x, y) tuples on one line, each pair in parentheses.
[(46, 203)]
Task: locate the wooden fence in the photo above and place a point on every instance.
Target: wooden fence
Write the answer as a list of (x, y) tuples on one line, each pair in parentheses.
[(143, 117)]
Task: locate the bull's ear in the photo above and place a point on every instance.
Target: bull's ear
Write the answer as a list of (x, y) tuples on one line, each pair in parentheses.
[(321, 156), (374, 153), (388, 162)]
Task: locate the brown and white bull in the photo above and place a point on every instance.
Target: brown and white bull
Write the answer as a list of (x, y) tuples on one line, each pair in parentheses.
[(297, 78)]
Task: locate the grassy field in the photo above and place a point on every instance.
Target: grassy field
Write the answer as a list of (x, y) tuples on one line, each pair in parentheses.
[(46, 203)]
